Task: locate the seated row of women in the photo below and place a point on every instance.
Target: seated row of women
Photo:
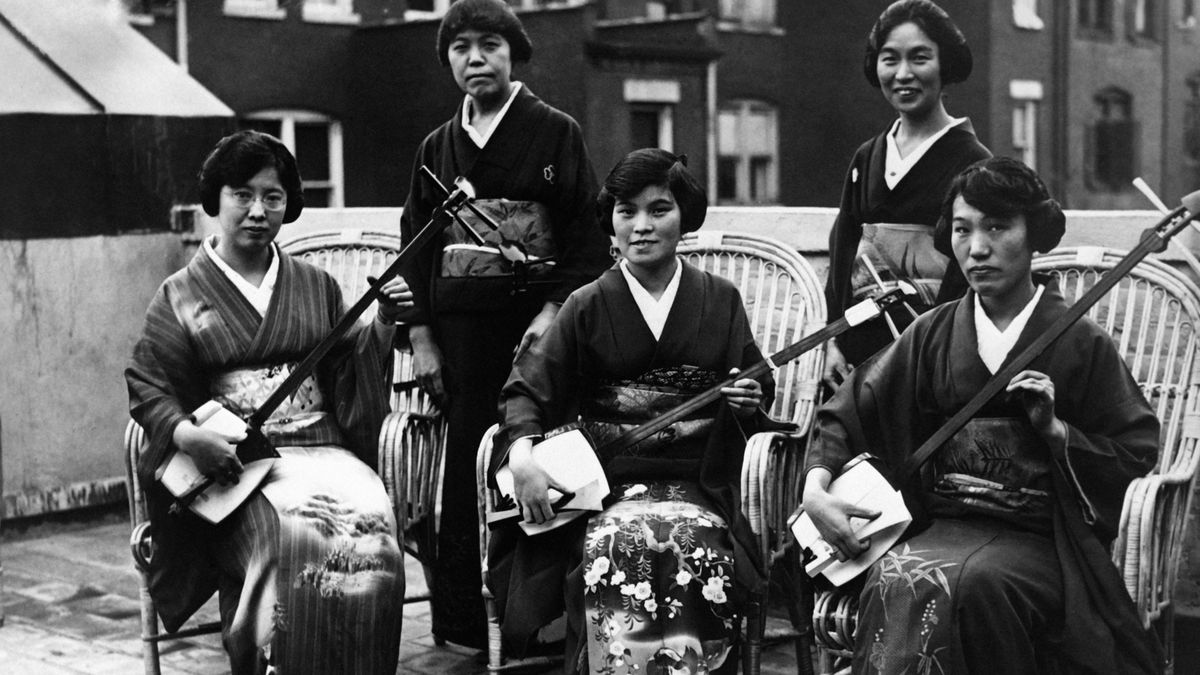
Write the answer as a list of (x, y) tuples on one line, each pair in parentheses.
[(308, 570)]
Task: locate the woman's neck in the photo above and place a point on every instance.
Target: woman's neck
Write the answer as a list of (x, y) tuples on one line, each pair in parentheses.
[(915, 130), (655, 280), (252, 265), (484, 110), (1002, 310)]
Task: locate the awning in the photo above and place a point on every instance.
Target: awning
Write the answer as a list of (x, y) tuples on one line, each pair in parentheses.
[(82, 56)]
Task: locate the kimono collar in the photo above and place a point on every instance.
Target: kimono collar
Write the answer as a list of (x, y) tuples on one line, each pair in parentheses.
[(995, 344), (655, 312), (480, 139), (896, 167), (259, 296)]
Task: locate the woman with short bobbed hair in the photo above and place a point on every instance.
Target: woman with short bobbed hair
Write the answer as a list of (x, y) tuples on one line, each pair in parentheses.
[(1006, 568), (308, 571), (656, 581), (893, 188)]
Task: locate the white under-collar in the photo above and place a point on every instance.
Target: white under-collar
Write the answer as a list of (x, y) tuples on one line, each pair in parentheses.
[(994, 344), (481, 139), (896, 167), (653, 311), (259, 296)]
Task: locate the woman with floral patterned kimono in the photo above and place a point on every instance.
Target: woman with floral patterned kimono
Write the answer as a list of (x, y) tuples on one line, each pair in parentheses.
[(1011, 572), (308, 569), (651, 582)]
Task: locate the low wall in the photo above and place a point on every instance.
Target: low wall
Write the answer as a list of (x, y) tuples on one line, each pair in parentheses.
[(75, 306)]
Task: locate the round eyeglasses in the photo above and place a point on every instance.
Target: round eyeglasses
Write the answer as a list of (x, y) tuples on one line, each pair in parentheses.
[(272, 201)]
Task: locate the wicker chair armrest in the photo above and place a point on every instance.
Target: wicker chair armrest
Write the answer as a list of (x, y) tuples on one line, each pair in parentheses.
[(141, 546), (411, 450), (770, 482)]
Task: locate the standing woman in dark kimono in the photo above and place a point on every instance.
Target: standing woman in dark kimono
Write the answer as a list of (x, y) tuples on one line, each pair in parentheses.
[(655, 580), (476, 309), (895, 183), (308, 568), (1013, 573)]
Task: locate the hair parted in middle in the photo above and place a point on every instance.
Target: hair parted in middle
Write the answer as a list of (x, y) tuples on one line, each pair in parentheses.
[(237, 158), (485, 16), (1004, 187), (643, 168), (954, 55)]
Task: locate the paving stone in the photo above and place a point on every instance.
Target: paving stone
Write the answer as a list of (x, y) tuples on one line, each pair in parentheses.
[(50, 592), (107, 605), (33, 610)]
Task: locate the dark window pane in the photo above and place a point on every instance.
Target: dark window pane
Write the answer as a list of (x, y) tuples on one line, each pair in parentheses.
[(421, 5), (759, 178), (643, 128), (312, 151), (316, 197), (727, 178)]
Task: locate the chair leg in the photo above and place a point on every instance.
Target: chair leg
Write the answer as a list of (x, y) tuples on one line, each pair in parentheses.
[(149, 629), (756, 626), (800, 608)]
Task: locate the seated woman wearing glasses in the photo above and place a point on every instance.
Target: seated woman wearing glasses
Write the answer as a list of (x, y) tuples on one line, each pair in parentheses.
[(308, 569), (1012, 574), (654, 580)]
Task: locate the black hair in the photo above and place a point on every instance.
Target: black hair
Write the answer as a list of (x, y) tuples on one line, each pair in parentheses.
[(652, 166), (1004, 187), (486, 16), (237, 158), (954, 56)]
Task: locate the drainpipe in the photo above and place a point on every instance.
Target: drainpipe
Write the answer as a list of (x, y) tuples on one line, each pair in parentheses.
[(1061, 146), (181, 34), (1165, 153), (711, 131)]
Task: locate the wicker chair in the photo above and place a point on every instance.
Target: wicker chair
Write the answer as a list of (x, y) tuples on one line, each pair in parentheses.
[(410, 443), (1153, 315), (784, 301)]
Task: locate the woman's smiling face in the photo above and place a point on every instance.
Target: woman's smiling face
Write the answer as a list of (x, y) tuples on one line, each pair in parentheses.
[(910, 71), (648, 228)]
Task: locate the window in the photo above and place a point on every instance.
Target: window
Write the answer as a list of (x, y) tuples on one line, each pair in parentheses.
[(425, 9), (330, 11), (1025, 15), (316, 141), (1025, 95), (747, 153), (651, 112), (1096, 15), (1112, 163), (257, 9), (1142, 22), (1187, 15), (748, 12)]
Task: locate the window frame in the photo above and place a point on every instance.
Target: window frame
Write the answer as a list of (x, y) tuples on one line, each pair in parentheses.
[(745, 159), (335, 184), (254, 9), (1102, 132), (336, 12)]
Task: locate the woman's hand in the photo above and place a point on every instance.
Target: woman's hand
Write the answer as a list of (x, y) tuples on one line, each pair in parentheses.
[(836, 369), (215, 455), (531, 483), (427, 363), (540, 323), (744, 396), (831, 516), (1035, 391), (396, 297)]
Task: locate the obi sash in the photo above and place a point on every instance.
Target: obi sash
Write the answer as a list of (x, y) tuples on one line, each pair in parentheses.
[(674, 452), (300, 420), (892, 252), (524, 229), (997, 465)]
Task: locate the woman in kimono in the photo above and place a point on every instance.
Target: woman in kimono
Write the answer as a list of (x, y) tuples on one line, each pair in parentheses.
[(1012, 574), (893, 189), (477, 306), (308, 569), (654, 580)]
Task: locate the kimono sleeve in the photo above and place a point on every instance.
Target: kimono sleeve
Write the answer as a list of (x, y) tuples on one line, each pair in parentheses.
[(583, 248), (164, 380)]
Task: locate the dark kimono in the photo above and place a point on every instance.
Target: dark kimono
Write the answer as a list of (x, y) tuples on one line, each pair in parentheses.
[(1013, 575), (915, 204), (656, 578), (309, 565), (535, 178)]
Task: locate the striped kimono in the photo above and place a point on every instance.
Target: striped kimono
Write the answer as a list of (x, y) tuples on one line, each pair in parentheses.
[(309, 571)]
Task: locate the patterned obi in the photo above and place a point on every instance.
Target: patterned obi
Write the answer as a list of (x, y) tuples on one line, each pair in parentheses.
[(524, 238), (892, 252), (300, 417), (997, 464), (616, 407)]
